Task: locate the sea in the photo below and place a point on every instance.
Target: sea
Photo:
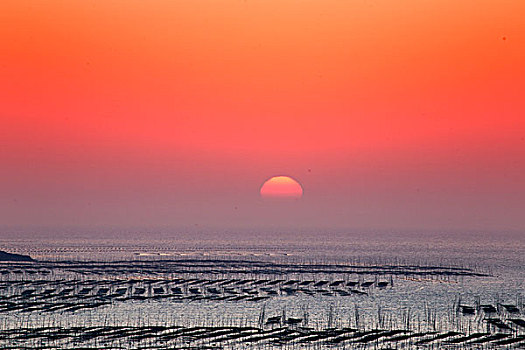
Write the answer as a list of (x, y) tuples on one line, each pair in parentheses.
[(422, 282)]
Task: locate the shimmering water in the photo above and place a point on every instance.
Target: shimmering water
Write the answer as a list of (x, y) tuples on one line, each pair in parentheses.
[(430, 301)]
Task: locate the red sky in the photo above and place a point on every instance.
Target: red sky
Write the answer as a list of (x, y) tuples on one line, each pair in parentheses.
[(392, 114)]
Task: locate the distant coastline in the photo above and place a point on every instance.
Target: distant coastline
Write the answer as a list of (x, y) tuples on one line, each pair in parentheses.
[(5, 256)]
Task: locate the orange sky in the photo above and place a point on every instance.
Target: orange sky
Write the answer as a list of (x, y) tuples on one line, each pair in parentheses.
[(391, 113)]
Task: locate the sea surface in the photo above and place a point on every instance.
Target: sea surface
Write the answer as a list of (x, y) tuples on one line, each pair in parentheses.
[(428, 277)]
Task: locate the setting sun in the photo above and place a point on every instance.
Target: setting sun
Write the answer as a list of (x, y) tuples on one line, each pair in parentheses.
[(281, 187)]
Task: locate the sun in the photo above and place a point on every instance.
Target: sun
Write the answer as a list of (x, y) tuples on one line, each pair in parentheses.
[(281, 187)]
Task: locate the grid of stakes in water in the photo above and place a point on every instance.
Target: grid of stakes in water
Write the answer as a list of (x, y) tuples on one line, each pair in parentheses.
[(54, 290)]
